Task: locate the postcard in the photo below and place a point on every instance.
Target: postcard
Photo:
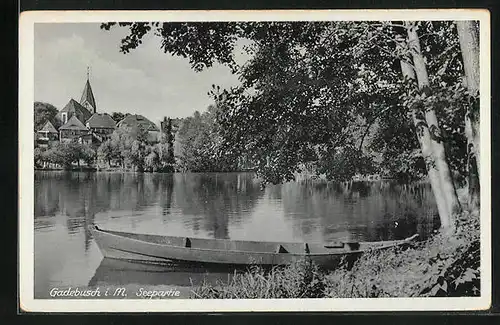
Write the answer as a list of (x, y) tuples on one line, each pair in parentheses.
[(290, 160)]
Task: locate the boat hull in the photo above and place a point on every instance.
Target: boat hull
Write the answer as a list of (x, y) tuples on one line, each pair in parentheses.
[(164, 249)]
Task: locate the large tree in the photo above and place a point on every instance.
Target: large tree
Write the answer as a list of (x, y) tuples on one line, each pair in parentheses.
[(468, 32), (44, 112), (312, 91)]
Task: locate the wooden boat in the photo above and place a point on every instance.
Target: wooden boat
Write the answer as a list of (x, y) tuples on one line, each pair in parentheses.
[(171, 249)]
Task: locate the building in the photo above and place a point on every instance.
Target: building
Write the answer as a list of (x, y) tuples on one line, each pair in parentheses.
[(47, 134), (73, 108), (74, 130), (87, 100), (138, 121), (101, 126), (81, 122)]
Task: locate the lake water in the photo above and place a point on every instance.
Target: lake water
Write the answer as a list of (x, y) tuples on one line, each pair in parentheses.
[(211, 205)]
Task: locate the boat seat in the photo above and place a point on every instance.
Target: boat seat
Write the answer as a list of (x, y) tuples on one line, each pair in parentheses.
[(281, 249), (187, 242), (353, 245), (334, 245)]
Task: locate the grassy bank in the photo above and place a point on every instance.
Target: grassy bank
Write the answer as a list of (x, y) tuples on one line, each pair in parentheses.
[(440, 266)]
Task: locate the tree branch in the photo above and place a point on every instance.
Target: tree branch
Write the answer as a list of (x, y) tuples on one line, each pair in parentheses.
[(370, 124)]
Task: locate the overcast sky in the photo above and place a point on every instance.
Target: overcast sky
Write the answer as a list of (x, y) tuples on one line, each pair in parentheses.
[(145, 81)]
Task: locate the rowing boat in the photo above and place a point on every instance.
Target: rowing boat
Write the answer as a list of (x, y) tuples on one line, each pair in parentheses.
[(149, 248)]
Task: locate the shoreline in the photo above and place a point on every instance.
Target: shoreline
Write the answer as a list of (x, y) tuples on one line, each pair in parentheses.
[(440, 266), (299, 177)]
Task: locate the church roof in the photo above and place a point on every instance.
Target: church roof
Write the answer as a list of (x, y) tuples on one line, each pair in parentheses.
[(101, 121), (73, 124), (48, 127), (88, 95), (138, 120), (77, 109)]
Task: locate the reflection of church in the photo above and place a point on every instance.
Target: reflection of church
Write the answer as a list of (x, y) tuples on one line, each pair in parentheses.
[(79, 122)]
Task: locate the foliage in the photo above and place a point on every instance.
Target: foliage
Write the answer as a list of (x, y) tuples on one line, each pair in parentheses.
[(306, 86), (88, 155), (166, 146), (44, 112), (344, 162), (131, 149), (200, 144), (65, 154), (300, 280), (117, 116), (107, 152), (38, 156)]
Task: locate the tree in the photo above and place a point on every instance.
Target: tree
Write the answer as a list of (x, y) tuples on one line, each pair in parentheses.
[(88, 155), (307, 86), (170, 160), (106, 152), (199, 144), (121, 143), (44, 112), (135, 156), (189, 157), (152, 161), (430, 135), (65, 154), (165, 148), (468, 32), (117, 116), (38, 157)]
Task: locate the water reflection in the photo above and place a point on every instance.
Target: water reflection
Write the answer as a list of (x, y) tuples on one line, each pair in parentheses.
[(121, 273), (214, 205), (214, 200), (364, 210)]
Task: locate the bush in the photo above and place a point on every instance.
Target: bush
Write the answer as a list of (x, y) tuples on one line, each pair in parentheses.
[(299, 280)]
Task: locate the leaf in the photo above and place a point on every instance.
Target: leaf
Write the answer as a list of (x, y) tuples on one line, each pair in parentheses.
[(435, 290), (444, 286)]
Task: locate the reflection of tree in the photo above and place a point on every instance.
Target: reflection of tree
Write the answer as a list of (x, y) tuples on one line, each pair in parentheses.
[(412, 210), (46, 195), (367, 210), (215, 199), (207, 201), (70, 194), (166, 190)]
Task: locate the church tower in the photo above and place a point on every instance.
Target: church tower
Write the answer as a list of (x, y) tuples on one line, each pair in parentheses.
[(88, 100)]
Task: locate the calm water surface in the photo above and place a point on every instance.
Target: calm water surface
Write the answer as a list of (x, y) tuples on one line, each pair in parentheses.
[(211, 205)]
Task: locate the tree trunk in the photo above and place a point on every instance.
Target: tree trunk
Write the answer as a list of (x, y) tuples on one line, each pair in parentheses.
[(468, 35), (424, 139), (437, 142)]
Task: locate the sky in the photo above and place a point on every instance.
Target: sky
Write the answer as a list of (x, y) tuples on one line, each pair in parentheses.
[(145, 81)]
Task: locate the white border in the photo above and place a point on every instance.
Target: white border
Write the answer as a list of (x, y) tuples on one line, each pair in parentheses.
[(26, 176)]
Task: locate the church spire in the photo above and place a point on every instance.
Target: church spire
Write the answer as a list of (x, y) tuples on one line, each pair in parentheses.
[(88, 100)]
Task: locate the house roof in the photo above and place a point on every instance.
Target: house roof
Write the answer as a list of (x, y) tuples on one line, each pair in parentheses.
[(138, 120), (77, 109), (88, 95), (73, 124), (48, 127), (101, 121)]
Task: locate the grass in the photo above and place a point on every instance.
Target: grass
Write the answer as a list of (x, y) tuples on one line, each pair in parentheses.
[(440, 266)]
